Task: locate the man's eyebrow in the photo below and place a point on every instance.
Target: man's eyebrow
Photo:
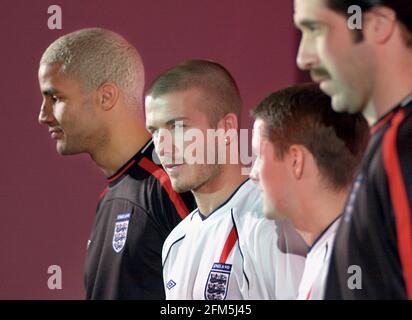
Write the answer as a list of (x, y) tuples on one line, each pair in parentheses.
[(306, 23), (172, 121), (168, 123)]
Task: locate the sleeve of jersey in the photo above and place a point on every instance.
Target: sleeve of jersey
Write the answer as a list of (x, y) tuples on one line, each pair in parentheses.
[(257, 241), (397, 157), (170, 206)]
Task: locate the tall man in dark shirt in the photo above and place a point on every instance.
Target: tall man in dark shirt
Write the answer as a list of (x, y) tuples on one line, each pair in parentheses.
[(92, 84), (368, 70)]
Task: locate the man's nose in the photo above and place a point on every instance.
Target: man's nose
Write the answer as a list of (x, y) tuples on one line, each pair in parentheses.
[(45, 116), (307, 57)]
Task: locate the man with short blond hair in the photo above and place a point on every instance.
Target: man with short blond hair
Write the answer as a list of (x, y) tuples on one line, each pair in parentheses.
[(92, 82)]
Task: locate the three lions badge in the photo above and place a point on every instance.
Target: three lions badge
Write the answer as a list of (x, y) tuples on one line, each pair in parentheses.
[(218, 281), (120, 231)]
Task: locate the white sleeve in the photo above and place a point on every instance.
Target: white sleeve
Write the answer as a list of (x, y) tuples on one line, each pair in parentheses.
[(274, 272)]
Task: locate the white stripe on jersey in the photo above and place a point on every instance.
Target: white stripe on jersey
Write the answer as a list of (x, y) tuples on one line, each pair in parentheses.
[(313, 281), (255, 267)]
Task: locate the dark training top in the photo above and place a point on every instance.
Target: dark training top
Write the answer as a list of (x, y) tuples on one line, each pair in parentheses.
[(136, 213), (372, 257)]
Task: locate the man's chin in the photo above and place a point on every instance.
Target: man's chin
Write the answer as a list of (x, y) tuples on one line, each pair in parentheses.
[(64, 151), (347, 102), (337, 98), (179, 187), (338, 105)]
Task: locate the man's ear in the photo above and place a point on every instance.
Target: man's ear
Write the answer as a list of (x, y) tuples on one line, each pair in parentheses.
[(296, 160), (379, 24), (231, 125), (108, 95)]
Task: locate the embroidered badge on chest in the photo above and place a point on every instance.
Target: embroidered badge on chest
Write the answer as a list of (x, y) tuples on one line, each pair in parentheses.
[(218, 281), (120, 231)]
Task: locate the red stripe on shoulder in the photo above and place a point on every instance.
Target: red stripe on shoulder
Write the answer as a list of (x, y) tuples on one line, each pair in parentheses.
[(229, 244), (164, 180), (103, 193), (381, 123), (399, 198)]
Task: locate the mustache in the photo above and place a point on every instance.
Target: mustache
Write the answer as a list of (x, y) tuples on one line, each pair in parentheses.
[(319, 74)]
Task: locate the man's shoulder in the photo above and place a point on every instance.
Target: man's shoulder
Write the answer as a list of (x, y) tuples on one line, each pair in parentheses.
[(178, 233), (405, 127), (247, 207), (150, 183), (247, 199), (131, 189)]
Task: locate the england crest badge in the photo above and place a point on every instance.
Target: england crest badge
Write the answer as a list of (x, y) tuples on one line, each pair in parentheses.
[(218, 281), (120, 231)]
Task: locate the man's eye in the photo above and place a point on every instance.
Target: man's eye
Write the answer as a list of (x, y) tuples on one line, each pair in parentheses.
[(313, 28), (55, 98), (179, 125)]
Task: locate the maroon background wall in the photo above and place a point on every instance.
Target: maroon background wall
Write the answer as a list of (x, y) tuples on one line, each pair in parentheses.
[(47, 202)]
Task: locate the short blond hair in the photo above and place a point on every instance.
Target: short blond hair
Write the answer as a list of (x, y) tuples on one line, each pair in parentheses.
[(95, 56)]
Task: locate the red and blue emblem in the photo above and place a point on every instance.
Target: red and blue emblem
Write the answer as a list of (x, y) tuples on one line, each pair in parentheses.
[(120, 231), (218, 281)]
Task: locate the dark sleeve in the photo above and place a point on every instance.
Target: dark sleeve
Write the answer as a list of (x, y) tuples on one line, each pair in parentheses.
[(332, 285), (144, 252), (124, 266), (404, 151), (397, 156), (171, 207)]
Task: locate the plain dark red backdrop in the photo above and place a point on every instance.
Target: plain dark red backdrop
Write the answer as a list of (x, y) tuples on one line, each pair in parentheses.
[(48, 201)]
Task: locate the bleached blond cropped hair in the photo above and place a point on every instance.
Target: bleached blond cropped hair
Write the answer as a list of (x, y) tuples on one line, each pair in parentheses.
[(95, 56)]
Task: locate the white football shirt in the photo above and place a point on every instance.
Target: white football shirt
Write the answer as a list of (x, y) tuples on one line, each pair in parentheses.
[(313, 281), (235, 253)]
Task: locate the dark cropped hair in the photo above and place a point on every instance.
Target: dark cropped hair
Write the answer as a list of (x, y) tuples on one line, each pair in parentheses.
[(210, 77), (303, 115), (402, 8)]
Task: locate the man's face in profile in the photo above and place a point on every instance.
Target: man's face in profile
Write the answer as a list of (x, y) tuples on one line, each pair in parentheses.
[(340, 65), (68, 112)]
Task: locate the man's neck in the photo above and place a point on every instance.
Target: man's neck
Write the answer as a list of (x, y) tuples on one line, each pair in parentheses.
[(393, 85), (316, 217), (216, 191), (123, 144)]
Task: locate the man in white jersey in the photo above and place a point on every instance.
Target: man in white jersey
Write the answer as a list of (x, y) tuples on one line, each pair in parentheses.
[(225, 249), (307, 156)]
